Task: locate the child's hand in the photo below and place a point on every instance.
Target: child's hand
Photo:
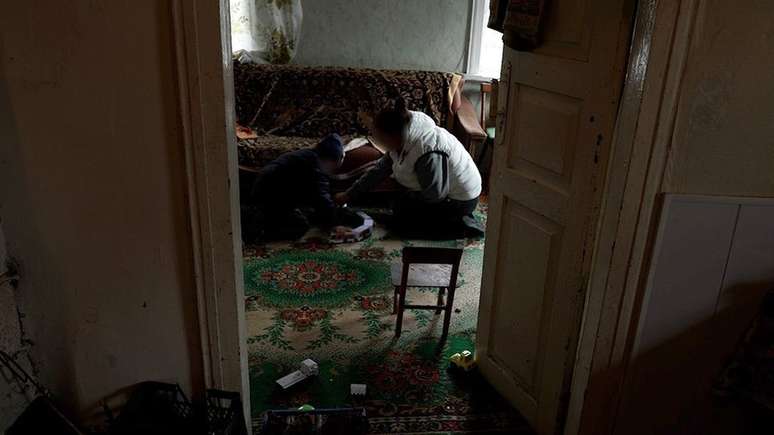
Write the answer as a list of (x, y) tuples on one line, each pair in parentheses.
[(341, 198), (341, 231)]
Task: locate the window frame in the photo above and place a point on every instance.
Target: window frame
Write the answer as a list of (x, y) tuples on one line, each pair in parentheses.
[(475, 36), (476, 25)]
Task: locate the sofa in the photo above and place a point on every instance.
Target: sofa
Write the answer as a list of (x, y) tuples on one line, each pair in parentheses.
[(282, 108)]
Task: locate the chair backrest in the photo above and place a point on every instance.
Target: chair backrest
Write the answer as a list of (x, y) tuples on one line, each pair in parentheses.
[(427, 255)]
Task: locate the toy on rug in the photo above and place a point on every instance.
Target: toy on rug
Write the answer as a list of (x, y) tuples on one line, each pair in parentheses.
[(357, 390), (307, 369), (463, 360), (343, 234)]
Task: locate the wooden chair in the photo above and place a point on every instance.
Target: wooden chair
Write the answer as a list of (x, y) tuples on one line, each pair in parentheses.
[(488, 119), (486, 89), (434, 267)]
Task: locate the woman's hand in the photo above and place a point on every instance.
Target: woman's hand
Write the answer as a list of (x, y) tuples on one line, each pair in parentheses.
[(341, 198), (341, 230)]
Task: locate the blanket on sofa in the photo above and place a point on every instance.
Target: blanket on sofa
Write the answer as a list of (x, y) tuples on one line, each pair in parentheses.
[(291, 107)]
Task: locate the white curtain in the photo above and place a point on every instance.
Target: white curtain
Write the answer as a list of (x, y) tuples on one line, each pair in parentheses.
[(265, 31)]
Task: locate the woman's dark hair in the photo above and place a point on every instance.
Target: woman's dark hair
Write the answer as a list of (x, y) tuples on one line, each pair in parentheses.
[(393, 121)]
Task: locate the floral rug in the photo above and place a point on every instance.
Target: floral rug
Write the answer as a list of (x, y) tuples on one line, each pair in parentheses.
[(333, 304)]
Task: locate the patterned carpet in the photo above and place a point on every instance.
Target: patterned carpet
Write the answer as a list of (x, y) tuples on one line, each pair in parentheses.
[(333, 303)]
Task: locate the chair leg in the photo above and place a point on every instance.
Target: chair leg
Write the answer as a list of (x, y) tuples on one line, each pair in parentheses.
[(395, 300), (440, 299), (401, 303), (447, 314)]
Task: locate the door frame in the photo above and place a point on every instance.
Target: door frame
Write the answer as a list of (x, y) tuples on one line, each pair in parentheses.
[(631, 204), (202, 45), (638, 160)]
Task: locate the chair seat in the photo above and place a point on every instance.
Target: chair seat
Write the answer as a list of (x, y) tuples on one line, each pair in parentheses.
[(423, 275)]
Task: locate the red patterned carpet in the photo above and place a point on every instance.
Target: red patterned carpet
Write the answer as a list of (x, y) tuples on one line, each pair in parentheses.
[(332, 303)]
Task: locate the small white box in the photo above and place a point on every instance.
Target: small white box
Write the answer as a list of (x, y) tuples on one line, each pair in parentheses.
[(357, 389), (309, 367)]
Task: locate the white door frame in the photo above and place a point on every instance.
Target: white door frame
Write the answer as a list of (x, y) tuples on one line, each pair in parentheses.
[(206, 91), (631, 204), (642, 137)]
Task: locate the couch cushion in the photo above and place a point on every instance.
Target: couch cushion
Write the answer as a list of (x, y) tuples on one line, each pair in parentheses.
[(357, 162), (257, 152)]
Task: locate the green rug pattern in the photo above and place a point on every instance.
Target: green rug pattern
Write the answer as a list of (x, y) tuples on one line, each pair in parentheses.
[(333, 303)]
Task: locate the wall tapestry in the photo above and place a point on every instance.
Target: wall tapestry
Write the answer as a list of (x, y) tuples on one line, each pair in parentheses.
[(519, 20)]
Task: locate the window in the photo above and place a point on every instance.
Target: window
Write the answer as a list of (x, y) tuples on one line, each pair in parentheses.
[(485, 48)]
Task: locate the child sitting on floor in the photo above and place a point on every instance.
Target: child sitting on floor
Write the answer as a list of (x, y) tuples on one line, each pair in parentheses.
[(291, 193)]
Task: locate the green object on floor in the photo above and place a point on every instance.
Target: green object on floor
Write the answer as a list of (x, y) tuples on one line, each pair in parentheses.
[(490, 132), (333, 304), (306, 408)]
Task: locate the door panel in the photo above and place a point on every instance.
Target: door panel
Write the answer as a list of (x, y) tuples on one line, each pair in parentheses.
[(516, 314), (545, 142), (557, 108), (566, 34)]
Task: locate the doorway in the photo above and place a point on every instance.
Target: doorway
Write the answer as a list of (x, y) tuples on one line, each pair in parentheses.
[(584, 42), (333, 303)]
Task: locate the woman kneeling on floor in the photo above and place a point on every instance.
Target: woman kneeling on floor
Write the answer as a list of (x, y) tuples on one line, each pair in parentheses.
[(442, 180)]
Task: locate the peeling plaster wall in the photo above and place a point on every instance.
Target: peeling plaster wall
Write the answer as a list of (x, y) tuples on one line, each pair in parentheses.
[(717, 267), (386, 34), (10, 331), (723, 142), (93, 196), (11, 403)]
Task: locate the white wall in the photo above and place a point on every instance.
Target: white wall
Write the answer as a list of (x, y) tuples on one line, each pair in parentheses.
[(386, 34), (706, 283), (92, 189), (711, 267), (723, 141)]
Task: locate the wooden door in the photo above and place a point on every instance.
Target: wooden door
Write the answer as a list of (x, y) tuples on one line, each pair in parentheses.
[(557, 108)]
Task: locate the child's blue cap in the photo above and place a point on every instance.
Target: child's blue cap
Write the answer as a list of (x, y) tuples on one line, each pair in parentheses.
[(330, 147)]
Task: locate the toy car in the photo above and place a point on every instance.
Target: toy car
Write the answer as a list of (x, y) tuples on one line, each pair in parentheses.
[(357, 234), (463, 360)]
